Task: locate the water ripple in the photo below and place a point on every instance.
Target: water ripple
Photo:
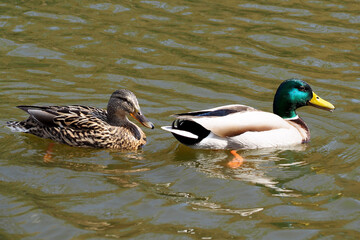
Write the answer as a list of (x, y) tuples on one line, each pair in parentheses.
[(68, 18), (180, 56)]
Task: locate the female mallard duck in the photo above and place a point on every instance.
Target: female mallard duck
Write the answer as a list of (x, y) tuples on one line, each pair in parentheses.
[(244, 127), (88, 126)]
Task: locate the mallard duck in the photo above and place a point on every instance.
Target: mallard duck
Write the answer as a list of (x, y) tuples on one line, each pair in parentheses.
[(244, 127), (88, 126)]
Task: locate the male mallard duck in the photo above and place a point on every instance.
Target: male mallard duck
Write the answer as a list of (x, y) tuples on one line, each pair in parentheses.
[(88, 126), (244, 127)]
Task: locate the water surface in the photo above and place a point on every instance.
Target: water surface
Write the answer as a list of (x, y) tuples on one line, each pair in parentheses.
[(180, 56)]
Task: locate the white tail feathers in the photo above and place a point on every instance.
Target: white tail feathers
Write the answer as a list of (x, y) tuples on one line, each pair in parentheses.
[(180, 132), (16, 127)]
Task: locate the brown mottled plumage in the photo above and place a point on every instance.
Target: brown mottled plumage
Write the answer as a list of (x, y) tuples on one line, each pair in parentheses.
[(88, 126)]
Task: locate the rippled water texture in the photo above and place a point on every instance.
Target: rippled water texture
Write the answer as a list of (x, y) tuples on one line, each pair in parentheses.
[(180, 56)]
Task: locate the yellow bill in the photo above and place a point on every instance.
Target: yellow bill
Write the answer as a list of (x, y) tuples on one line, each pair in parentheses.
[(318, 102)]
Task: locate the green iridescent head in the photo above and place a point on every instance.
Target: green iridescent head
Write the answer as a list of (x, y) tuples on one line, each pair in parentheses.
[(295, 93)]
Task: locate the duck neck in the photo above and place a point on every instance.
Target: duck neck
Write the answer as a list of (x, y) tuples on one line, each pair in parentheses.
[(116, 118), (283, 107), (119, 119), (285, 112), (116, 121)]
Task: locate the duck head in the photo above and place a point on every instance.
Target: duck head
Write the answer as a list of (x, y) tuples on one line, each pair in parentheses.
[(295, 93), (124, 102)]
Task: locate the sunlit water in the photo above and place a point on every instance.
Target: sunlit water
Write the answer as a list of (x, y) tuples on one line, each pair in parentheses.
[(180, 56)]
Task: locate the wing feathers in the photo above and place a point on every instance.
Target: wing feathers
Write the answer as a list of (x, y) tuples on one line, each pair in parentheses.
[(76, 117), (42, 116), (235, 120), (216, 112)]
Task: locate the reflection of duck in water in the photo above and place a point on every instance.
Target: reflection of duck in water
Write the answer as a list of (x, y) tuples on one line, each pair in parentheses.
[(267, 167), (88, 126), (244, 127)]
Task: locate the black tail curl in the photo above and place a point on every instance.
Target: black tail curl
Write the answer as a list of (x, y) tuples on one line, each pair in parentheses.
[(192, 127)]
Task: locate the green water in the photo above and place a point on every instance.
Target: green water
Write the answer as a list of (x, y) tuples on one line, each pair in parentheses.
[(179, 56)]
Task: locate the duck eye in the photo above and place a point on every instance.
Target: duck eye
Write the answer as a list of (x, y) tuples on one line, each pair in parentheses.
[(302, 88), (123, 99)]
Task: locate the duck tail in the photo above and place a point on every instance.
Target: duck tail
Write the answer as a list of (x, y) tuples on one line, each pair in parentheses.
[(16, 126), (180, 132), (187, 132)]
